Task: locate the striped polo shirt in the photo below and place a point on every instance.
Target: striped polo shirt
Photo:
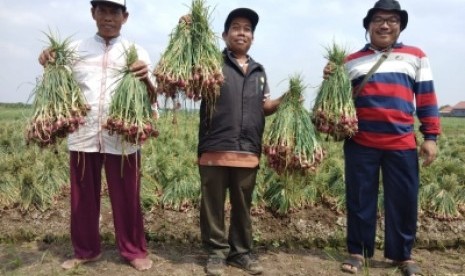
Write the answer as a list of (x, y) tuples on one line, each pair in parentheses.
[(401, 88)]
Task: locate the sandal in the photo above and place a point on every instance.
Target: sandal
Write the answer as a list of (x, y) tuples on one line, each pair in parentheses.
[(410, 269), (352, 264)]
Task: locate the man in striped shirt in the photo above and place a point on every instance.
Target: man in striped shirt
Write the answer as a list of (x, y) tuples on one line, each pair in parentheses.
[(386, 104)]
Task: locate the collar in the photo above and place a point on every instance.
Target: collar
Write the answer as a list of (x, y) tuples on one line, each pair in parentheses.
[(227, 54), (112, 41), (369, 48), (231, 54)]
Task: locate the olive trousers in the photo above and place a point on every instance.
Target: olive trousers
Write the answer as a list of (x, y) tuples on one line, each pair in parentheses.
[(216, 181)]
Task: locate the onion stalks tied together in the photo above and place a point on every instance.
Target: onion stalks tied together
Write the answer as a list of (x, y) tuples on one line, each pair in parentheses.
[(192, 62), (291, 144), (58, 107), (334, 110), (130, 110)]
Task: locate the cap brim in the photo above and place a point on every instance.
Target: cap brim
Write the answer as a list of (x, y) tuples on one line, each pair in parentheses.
[(106, 2), (403, 17), (245, 13)]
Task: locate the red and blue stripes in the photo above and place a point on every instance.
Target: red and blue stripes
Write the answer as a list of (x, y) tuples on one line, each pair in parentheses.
[(401, 88)]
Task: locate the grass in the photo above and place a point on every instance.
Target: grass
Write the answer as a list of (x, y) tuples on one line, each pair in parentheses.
[(14, 112), (33, 178)]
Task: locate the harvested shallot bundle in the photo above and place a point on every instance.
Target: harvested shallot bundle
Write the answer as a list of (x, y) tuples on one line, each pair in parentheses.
[(291, 144), (59, 106), (130, 113), (192, 62), (334, 111)]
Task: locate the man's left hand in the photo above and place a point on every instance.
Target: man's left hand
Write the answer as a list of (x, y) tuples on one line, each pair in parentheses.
[(428, 152), (140, 70)]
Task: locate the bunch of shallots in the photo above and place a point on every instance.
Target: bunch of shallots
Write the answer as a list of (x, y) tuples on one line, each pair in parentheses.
[(130, 113), (334, 111), (59, 107), (192, 62), (291, 144)]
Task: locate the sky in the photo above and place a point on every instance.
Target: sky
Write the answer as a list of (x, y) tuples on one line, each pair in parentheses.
[(290, 38)]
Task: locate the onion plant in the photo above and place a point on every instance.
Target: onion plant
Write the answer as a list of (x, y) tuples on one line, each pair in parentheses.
[(334, 111), (130, 113), (59, 107), (192, 61), (291, 143)]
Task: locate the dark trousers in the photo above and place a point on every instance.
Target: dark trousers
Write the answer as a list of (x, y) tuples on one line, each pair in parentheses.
[(123, 178), (215, 181), (400, 176)]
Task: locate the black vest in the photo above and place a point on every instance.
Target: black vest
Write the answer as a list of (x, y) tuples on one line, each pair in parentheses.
[(237, 121)]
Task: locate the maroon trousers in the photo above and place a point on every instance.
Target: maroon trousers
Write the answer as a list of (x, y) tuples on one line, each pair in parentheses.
[(123, 179)]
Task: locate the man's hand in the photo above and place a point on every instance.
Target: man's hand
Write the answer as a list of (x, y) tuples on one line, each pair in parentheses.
[(428, 152), (187, 19), (47, 56), (140, 70), (328, 70)]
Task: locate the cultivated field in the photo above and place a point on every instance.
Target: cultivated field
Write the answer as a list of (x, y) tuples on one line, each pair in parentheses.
[(299, 227)]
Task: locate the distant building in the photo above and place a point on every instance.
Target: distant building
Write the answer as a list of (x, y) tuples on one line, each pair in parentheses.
[(445, 111), (457, 110)]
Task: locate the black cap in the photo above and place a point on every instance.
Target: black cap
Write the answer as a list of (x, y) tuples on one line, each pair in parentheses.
[(241, 12), (387, 5)]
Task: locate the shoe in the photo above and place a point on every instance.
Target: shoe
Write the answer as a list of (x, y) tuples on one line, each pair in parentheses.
[(141, 264), (74, 262), (215, 266), (246, 263)]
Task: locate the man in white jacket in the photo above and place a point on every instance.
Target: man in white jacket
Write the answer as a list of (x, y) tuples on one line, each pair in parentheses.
[(91, 147)]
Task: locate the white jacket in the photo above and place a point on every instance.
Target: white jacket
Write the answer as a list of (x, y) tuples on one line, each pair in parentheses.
[(97, 71)]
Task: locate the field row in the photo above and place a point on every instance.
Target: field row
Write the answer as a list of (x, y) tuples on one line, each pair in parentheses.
[(34, 178)]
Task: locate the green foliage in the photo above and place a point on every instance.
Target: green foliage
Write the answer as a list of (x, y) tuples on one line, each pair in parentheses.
[(31, 177), (171, 162), (13, 112), (281, 197), (34, 177), (330, 178), (442, 188)]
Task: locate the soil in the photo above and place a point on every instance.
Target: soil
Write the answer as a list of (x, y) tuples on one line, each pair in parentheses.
[(305, 242)]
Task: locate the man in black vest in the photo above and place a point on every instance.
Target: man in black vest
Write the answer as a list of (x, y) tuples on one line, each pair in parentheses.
[(229, 148)]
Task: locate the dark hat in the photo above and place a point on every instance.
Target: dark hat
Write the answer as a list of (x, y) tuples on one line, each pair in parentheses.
[(121, 3), (241, 12), (387, 5)]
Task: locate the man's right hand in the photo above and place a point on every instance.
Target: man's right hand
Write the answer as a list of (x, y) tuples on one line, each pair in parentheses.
[(46, 56), (328, 70)]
